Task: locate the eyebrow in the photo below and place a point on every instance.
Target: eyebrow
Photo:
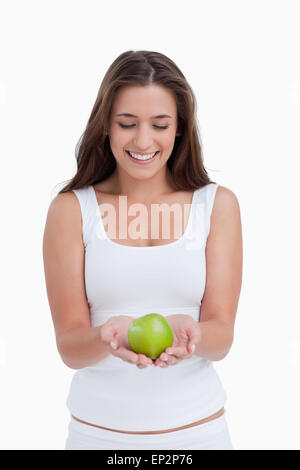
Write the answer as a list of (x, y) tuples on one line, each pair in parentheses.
[(160, 116)]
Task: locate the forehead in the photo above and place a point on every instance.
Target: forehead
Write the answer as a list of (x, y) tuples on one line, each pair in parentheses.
[(145, 101)]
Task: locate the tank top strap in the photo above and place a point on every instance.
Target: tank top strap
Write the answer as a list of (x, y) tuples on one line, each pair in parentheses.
[(201, 213), (87, 209), (210, 195)]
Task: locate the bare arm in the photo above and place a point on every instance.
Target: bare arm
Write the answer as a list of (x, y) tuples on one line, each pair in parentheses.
[(82, 347), (224, 255), (78, 343), (215, 340)]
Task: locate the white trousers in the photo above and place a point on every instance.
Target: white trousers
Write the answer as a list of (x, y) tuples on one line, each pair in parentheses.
[(212, 435)]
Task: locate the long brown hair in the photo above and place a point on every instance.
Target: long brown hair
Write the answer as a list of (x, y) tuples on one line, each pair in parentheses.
[(95, 160)]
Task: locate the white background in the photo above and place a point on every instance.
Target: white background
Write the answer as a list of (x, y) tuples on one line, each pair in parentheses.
[(242, 60)]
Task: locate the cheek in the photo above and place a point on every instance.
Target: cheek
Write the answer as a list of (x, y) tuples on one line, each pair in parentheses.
[(167, 145), (168, 140), (118, 141)]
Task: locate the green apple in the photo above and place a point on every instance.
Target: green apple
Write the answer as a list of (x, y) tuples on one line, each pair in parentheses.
[(150, 335)]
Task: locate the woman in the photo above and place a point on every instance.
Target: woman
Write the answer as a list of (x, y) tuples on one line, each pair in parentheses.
[(140, 151)]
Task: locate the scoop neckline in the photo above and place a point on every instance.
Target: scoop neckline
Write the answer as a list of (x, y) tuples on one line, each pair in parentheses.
[(166, 245)]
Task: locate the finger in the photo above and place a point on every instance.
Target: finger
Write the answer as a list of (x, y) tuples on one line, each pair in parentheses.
[(174, 355), (123, 353), (171, 360), (126, 355), (145, 359), (141, 366), (167, 360), (162, 360), (178, 352)]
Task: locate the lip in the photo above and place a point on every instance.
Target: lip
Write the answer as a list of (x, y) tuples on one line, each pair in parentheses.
[(142, 162)]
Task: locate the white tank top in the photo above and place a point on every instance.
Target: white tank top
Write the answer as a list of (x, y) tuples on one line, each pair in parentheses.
[(126, 280)]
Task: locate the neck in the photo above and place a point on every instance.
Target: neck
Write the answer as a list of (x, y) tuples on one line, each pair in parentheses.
[(145, 190)]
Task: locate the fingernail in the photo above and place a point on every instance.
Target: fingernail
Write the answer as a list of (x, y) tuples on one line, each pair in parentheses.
[(164, 358), (193, 348), (113, 345)]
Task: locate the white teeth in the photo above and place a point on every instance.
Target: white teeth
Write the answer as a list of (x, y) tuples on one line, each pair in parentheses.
[(142, 157)]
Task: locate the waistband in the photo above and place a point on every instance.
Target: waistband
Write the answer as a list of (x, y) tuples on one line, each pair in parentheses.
[(196, 423)]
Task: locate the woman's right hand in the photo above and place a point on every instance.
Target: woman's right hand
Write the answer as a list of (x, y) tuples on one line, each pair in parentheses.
[(115, 332)]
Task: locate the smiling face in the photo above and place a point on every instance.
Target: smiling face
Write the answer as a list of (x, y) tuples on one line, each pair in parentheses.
[(146, 132)]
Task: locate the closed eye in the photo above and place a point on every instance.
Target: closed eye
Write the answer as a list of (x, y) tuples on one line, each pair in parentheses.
[(132, 125)]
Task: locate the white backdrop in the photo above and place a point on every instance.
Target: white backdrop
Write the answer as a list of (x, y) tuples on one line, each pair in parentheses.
[(242, 60)]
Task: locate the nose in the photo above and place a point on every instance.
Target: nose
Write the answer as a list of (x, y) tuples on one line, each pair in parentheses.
[(142, 139)]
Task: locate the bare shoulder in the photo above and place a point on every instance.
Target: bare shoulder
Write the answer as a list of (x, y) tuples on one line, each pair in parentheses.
[(225, 198), (64, 209), (63, 218), (226, 208), (64, 202)]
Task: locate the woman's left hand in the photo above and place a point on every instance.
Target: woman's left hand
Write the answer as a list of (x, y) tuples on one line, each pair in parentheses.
[(186, 333)]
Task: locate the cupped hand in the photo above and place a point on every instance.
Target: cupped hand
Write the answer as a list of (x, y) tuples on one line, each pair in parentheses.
[(114, 333), (186, 333)]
